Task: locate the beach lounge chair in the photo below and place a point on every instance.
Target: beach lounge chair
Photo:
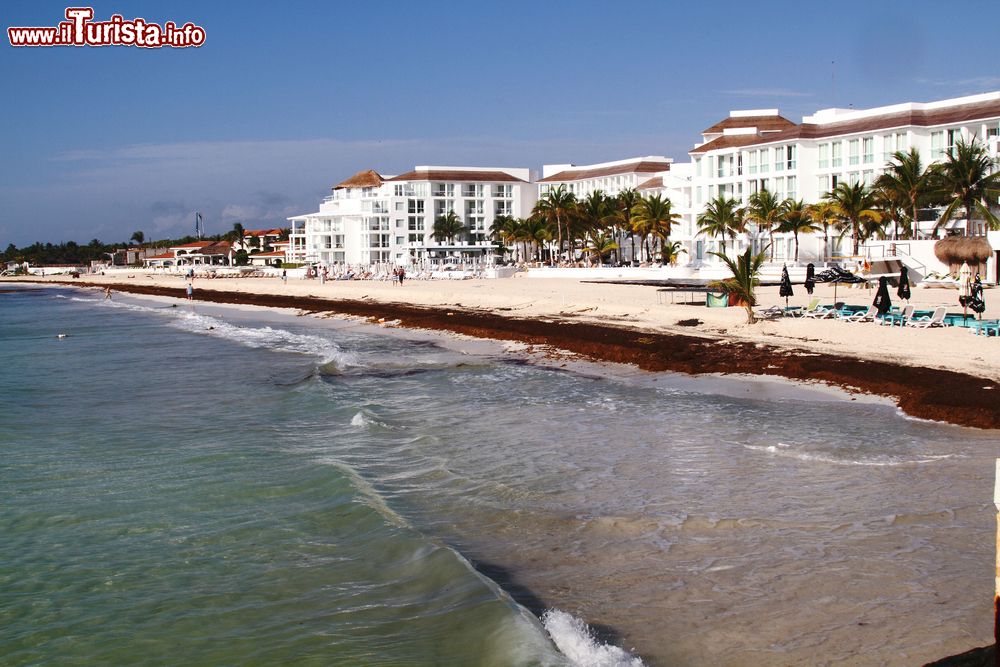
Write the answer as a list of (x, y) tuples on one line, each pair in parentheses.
[(985, 327), (797, 311), (769, 313), (821, 313), (935, 320), (861, 315), (901, 318)]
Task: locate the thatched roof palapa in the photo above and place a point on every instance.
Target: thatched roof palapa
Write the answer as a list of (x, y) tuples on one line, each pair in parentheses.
[(958, 249)]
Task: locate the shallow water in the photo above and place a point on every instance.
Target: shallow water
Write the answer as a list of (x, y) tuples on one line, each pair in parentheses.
[(199, 484)]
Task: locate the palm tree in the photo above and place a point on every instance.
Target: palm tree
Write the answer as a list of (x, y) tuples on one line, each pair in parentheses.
[(138, 237), (745, 269), (447, 227), (721, 219), (627, 199), (652, 216), (797, 220), (822, 213), (504, 230), (671, 252), (969, 176), (595, 214), (891, 206), (854, 205), (535, 230), (236, 236), (600, 245), (907, 182), (766, 211), (557, 205)]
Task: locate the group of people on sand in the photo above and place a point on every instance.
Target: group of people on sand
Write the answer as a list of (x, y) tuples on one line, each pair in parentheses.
[(399, 275)]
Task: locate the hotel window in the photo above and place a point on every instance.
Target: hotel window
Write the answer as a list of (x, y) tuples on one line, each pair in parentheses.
[(834, 181), (400, 223), (992, 132), (953, 138), (697, 167), (502, 208), (765, 161), (752, 167), (823, 185), (868, 149), (824, 156), (415, 223), (472, 190), (415, 238), (739, 164), (697, 194), (719, 166), (400, 240), (415, 205), (854, 177), (503, 191), (779, 186), (791, 155), (443, 190), (792, 191), (852, 151), (836, 152), (868, 178), (443, 206), (779, 158), (937, 145), (401, 206)]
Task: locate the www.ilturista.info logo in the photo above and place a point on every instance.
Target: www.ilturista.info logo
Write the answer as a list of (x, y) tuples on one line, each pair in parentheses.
[(79, 30)]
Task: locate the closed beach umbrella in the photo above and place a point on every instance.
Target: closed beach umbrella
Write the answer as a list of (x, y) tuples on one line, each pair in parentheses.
[(903, 292), (976, 302), (785, 289), (810, 277), (882, 301)]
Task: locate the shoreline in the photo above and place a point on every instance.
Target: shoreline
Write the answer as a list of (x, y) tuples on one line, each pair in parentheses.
[(919, 391)]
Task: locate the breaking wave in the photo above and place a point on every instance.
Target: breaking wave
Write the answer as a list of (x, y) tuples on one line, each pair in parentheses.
[(880, 460), (576, 641)]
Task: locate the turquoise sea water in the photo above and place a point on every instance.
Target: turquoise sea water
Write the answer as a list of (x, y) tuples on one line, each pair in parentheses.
[(200, 485)]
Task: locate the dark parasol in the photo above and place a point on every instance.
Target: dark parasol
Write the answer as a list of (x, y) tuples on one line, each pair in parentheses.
[(882, 301), (903, 291), (837, 275), (785, 288)]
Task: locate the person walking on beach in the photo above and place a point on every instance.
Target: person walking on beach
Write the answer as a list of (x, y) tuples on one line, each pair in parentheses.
[(107, 293), (190, 292), (284, 276), (401, 275)]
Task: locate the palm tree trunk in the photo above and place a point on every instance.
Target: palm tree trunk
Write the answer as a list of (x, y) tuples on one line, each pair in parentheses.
[(796, 235), (632, 234)]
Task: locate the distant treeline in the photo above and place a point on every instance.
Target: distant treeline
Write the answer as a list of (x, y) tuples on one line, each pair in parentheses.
[(71, 252)]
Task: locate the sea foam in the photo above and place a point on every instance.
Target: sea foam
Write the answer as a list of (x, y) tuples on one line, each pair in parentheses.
[(576, 641)]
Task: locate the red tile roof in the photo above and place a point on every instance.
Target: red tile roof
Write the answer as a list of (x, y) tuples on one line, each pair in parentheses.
[(194, 244), (262, 232), (457, 175), (651, 184), (166, 255), (644, 167), (762, 123), (962, 113), (369, 178)]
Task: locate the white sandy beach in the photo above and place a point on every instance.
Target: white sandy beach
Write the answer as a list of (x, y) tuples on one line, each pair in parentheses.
[(642, 307)]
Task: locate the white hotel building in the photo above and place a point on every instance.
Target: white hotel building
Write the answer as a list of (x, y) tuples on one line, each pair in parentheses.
[(371, 218), (754, 150)]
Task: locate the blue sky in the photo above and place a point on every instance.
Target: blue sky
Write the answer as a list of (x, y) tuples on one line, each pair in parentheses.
[(286, 99)]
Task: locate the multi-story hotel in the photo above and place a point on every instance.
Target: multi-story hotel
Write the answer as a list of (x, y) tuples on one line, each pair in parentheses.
[(371, 218), (755, 150)]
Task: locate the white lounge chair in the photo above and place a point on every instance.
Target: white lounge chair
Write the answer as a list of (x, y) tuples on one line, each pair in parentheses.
[(935, 320), (821, 313), (902, 318), (862, 316)]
